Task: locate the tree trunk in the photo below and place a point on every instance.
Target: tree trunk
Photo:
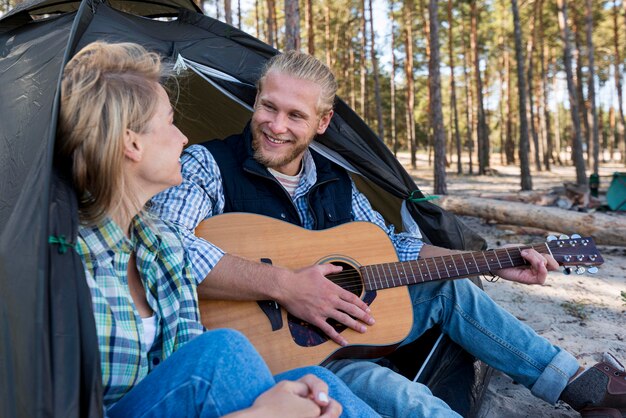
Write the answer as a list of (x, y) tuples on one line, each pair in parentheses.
[(453, 108), (469, 116), (557, 119), (429, 123), (239, 14), (308, 14), (582, 104), (592, 86), (377, 99), (408, 69), (577, 149), (530, 51), (605, 229), (352, 81), (257, 19), (439, 135), (526, 179), (483, 135), (618, 86), (614, 136), (292, 25), (228, 12), (509, 142), (392, 83), (327, 42), (364, 113), (271, 22), (548, 149)]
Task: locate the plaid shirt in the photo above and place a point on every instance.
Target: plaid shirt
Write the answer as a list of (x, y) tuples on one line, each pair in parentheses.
[(170, 292), (201, 195)]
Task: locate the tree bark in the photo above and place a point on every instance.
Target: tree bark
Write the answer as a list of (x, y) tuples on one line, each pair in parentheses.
[(408, 70), (509, 142), (453, 107), (377, 98), (618, 86), (239, 14), (577, 149), (257, 19), (530, 51), (613, 130), (327, 42), (392, 83), (592, 86), (483, 134), (557, 120), (439, 135), (271, 22), (605, 229), (292, 25), (526, 179), (429, 124), (548, 150), (582, 104), (364, 112), (308, 14), (228, 12), (469, 115)]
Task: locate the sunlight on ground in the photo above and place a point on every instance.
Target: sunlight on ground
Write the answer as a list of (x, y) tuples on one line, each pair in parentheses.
[(505, 179)]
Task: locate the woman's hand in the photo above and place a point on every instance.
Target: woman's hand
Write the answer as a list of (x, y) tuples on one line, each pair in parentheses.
[(303, 398)]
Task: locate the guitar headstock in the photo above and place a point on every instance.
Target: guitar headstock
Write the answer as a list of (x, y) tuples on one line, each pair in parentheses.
[(575, 251)]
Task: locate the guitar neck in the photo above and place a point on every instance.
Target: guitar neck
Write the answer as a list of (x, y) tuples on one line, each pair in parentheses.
[(383, 276)]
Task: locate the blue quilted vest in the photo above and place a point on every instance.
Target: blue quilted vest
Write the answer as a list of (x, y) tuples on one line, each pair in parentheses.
[(249, 187)]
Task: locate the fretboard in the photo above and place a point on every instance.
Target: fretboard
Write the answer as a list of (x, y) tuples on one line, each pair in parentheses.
[(383, 276)]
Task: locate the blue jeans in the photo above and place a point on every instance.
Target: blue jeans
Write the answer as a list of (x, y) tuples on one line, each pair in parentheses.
[(474, 321), (217, 373)]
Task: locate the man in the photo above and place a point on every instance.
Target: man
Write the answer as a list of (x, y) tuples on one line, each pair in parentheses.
[(269, 169)]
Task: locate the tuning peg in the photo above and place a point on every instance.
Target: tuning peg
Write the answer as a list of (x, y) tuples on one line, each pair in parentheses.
[(575, 236), (592, 270), (579, 270), (563, 236), (551, 238), (567, 271)]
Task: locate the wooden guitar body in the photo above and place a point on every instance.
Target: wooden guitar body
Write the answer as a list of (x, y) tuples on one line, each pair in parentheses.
[(294, 344)]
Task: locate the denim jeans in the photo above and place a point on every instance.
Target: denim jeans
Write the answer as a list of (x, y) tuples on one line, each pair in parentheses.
[(217, 373), (474, 321)]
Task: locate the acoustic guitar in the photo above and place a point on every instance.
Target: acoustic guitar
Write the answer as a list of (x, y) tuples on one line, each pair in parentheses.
[(371, 270)]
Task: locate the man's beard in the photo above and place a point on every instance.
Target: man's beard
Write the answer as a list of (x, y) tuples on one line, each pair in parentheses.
[(275, 161)]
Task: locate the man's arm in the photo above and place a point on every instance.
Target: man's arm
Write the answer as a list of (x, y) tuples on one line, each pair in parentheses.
[(305, 293), (409, 247), (198, 197)]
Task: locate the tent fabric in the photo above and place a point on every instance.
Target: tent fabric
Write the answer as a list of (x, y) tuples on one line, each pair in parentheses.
[(49, 364)]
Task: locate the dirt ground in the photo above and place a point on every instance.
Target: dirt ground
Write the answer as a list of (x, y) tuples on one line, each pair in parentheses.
[(584, 314)]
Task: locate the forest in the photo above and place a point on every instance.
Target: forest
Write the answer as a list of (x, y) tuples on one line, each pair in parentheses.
[(531, 83)]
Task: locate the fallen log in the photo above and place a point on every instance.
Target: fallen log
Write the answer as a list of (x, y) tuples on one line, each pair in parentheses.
[(605, 229)]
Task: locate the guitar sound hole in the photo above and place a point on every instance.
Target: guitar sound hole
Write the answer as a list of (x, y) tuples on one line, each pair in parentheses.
[(307, 335), (349, 278)]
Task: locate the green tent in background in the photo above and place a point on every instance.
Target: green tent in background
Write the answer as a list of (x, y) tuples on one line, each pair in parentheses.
[(49, 362), (616, 194)]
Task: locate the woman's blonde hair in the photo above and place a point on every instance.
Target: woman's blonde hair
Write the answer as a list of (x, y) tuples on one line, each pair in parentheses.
[(305, 67), (106, 89)]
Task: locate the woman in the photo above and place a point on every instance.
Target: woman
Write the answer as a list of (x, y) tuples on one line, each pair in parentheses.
[(116, 131)]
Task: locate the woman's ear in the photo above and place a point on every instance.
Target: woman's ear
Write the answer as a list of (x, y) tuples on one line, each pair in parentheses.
[(133, 149)]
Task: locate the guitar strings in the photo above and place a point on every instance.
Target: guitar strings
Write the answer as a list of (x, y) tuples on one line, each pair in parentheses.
[(351, 279)]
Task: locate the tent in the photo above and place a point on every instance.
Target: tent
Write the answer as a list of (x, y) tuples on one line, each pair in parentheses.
[(49, 363)]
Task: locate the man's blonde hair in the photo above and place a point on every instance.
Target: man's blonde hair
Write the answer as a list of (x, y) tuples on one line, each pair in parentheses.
[(106, 89), (306, 67)]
